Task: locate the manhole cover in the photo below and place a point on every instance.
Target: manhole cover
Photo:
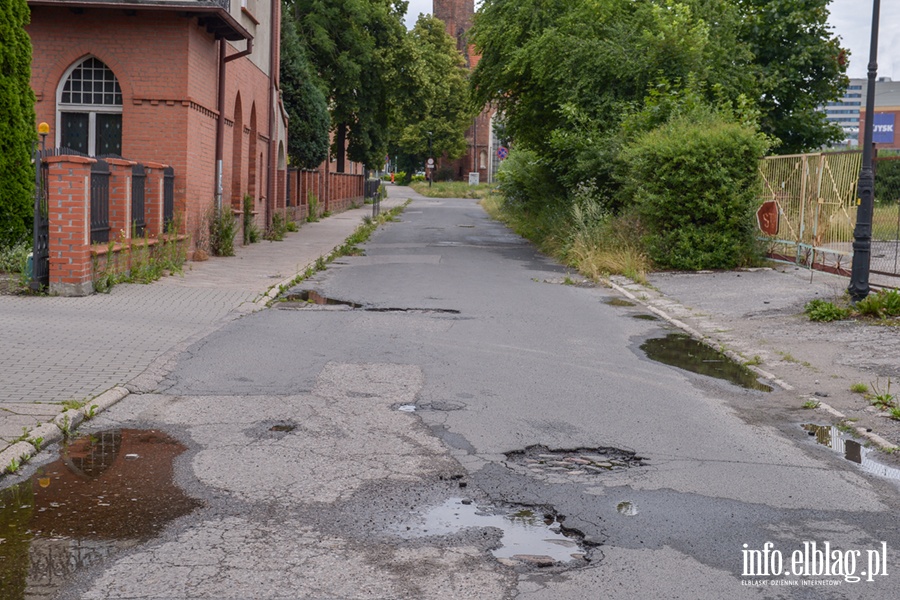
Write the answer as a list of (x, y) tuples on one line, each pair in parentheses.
[(580, 461)]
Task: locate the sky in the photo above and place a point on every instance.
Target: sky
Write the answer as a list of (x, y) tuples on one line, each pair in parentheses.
[(850, 19)]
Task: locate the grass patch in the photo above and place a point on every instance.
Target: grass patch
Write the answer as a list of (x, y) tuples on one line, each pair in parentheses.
[(859, 388), (810, 404), (452, 189), (584, 237)]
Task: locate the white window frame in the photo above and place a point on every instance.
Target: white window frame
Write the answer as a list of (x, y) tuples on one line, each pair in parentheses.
[(91, 109)]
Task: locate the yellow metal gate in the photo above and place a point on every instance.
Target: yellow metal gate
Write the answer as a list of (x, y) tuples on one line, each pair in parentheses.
[(815, 199)]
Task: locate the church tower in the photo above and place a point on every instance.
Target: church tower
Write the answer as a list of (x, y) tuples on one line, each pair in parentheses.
[(457, 15)]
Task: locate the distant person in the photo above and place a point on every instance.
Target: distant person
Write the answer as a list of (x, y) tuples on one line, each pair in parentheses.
[(392, 177)]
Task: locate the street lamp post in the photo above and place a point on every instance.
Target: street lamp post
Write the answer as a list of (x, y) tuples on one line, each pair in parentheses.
[(862, 234)]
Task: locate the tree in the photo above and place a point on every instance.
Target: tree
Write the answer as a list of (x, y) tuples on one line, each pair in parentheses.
[(351, 42), (306, 105), (16, 123), (431, 110), (567, 74), (800, 66)]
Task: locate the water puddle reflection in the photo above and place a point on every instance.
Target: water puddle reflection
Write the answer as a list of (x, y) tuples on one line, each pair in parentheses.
[(832, 437), (683, 351), (529, 538), (106, 492)]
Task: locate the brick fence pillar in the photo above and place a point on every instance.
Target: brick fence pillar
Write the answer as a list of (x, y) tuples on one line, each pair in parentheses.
[(69, 208), (153, 198), (119, 198)]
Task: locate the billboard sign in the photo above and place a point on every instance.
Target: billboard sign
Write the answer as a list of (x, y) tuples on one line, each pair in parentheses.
[(883, 130)]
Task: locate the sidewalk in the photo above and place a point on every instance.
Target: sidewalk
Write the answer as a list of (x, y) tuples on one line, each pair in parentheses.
[(55, 349)]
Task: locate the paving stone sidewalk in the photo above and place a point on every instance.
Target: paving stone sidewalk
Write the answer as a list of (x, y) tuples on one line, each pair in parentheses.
[(55, 349)]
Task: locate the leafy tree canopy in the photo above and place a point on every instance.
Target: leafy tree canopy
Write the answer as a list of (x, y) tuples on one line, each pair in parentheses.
[(431, 110), (351, 43), (569, 76), (308, 120)]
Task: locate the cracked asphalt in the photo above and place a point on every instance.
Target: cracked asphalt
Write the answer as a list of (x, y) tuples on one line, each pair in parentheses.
[(308, 472)]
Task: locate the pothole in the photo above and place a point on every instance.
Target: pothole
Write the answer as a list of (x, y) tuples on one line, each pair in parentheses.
[(283, 427), (618, 302), (589, 462), (832, 437), (315, 298), (107, 492), (683, 351), (531, 538), (312, 299)]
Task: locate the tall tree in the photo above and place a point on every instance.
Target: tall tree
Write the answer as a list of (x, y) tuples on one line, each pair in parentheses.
[(800, 66), (16, 123), (350, 43), (307, 108), (431, 111)]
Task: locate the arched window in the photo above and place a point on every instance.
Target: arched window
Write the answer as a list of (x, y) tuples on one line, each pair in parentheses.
[(89, 102)]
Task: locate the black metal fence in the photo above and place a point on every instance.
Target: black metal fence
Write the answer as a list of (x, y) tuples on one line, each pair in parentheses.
[(40, 275), (138, 185), (168, 197), (100, 202)]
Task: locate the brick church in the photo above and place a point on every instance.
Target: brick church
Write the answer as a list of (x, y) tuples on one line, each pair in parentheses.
[(481, 153)]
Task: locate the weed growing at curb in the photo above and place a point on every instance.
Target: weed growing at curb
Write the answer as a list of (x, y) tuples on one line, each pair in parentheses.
[(348, 248), (824, 311), (810, 404), (883, 399), (859, 388), (755, 361), (13, 466)]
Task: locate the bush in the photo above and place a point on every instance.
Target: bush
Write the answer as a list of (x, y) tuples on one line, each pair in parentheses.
[(222, 229), (822, 310), (693, 184), (251, 233), (13, 258), (525, 179)]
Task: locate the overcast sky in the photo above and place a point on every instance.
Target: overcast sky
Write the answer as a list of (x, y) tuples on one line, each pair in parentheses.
[(851, 19)]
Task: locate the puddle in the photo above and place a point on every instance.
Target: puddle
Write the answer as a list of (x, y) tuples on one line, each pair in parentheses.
[(314, 297), (645, 317), (832, 437), (107, 492), (683, 351), (540, 460), (619, 302), (529, 538)]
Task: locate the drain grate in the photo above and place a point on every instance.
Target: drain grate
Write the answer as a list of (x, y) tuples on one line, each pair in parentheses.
[(580, 461)]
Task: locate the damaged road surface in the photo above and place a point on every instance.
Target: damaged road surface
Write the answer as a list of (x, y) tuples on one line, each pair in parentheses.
[(440, 419)]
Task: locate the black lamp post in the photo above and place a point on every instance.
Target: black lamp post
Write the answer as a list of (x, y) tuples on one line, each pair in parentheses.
[(862, 234)]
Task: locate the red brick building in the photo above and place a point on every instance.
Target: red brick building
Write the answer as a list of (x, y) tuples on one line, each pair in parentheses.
[(481, 153), (189, 83)]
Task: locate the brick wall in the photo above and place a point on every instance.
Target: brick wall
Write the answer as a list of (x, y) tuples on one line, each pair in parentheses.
[(167, 67)]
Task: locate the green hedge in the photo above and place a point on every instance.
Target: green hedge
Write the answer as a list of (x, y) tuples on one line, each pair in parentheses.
[(693, 182)]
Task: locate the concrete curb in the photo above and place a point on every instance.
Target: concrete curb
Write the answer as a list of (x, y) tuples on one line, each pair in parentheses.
[(62, 425)]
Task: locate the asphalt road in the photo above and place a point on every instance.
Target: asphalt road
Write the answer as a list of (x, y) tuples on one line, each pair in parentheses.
[(378, 451)]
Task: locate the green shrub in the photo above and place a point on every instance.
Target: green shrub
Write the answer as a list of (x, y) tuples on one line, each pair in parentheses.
[(885, 303), (822, 310), (251, 232), (13, 258), (693, 183), (222, 229), (313, 203), (527, 180), (278, 229)]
